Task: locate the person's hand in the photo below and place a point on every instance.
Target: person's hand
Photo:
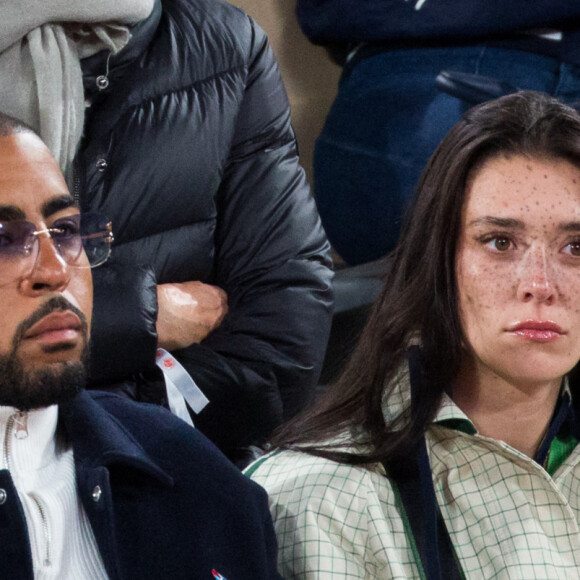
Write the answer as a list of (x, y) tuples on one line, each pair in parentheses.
[(188, 312)]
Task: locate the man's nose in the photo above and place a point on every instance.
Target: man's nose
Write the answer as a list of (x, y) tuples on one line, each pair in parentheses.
[(50, 272), (537, 280)]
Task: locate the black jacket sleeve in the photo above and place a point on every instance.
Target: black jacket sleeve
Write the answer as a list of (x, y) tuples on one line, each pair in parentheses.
[(272, 257), (130, 322)]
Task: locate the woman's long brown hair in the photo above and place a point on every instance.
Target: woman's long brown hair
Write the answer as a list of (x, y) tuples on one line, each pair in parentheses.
[(420, 295)]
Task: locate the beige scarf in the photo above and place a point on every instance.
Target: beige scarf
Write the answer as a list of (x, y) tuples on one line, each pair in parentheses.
[(41, 44)]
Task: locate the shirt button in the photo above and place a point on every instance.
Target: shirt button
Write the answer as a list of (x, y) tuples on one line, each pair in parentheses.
[(3, 496), (101, 165), (97, 493)]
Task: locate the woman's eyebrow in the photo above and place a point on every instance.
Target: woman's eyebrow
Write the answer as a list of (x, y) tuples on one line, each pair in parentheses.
[(498, 222), (511, 223), (570, 227)]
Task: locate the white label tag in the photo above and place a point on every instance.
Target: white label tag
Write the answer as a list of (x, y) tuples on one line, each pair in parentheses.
[(181, 380), (176, 402)]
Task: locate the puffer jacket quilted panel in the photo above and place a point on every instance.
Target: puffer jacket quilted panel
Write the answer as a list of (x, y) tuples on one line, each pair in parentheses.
[(190, 153)]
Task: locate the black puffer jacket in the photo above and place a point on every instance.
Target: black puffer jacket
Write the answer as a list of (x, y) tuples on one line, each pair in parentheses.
[(190, 153)]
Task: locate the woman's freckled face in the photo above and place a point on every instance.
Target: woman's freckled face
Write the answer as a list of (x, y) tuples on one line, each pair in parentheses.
[(518, 269)]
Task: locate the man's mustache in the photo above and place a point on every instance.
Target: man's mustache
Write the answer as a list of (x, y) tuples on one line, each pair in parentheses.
[(56, 304)]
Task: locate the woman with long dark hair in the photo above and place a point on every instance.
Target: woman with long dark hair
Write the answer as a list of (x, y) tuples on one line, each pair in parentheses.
[(449, 444)]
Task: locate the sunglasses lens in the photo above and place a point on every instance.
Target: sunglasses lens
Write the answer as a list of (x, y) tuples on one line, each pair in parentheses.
[(97, 236), (19, 243), (16, 239), (18, 249), (65, 234), (90, 231)]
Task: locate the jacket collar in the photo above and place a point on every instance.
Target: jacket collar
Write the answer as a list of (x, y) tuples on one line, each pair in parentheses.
[(99, 439), (141, 36)]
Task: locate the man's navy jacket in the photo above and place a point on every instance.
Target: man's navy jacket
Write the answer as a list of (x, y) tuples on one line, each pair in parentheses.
[(170, 504)]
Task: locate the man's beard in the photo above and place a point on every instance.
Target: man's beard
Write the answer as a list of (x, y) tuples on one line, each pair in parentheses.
[(47, 385)]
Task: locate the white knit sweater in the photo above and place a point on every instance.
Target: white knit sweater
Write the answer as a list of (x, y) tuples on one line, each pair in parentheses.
[(62, 541)]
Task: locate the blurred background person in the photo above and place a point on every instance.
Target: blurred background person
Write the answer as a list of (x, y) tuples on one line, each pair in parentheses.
[(389, 114)]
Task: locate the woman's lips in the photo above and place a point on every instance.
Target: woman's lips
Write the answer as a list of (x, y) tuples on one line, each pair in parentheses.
[(537, 331), (54, 328)]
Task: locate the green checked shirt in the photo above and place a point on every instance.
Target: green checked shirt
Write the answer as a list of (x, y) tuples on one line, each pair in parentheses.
[(507, 517)]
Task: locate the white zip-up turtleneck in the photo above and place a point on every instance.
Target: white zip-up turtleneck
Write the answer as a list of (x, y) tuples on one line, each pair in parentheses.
[(61, 538)]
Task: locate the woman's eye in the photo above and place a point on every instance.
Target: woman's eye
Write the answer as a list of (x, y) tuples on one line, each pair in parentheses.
[(499, 244), (574, 248)]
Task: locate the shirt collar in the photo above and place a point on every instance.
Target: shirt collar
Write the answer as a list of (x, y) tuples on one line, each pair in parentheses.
[(34, 432), (450, 415), (397, 400)]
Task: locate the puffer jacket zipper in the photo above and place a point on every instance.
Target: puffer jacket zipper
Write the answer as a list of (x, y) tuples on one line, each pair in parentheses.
[(75, 183)]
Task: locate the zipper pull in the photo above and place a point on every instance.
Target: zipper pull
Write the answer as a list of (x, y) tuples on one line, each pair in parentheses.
[(21, 425), (102, 81)]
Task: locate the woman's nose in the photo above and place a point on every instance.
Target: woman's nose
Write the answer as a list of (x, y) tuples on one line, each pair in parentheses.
[(536, 277)]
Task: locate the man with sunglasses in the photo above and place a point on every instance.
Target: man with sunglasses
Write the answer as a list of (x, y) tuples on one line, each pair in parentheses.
[(93, 485), (170, 117)]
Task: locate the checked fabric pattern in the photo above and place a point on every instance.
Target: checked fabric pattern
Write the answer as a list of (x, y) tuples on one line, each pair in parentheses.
[(507, 517)]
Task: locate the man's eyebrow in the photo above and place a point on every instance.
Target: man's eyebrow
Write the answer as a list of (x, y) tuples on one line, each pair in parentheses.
[(57, 204), (489, 220), (9, 213)]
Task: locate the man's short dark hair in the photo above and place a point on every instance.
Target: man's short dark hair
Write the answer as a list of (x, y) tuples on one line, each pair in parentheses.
[(10, 126)]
